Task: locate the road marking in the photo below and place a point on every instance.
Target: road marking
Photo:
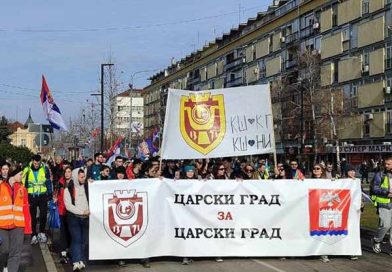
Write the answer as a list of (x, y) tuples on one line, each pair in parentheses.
[(49, 263), (268, 265)]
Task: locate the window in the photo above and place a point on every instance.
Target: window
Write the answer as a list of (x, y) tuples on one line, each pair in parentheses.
[(354, 96), (335, 71), (388, 124), (307, 21), (123, 108), (23, 142), (262, 68), (365, 62), (388, 91), (253, 51), (317, 43), (346, 33), (334, 15), (388, 61), (365, 6), (366, 129)]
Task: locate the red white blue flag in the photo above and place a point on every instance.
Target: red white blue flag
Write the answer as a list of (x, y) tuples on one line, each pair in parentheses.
[(51, 111)]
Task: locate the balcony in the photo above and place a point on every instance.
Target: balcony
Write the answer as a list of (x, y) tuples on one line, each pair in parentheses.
[(307, 31), (290, 63), (193, 81), (234, 64), (235, 82), (292, 37)]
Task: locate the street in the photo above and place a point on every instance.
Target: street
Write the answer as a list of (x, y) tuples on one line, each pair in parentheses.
[(369, 261)]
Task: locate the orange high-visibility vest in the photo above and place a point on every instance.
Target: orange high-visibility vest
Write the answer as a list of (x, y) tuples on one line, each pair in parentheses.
[(11, 206)]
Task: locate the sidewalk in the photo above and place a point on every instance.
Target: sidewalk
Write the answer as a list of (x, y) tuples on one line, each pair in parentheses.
[(32, 260)]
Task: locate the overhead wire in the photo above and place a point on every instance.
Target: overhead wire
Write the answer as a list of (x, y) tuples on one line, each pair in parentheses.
[(135, 27)]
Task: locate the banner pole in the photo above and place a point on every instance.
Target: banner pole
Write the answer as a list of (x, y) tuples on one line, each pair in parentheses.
[(273, 127)]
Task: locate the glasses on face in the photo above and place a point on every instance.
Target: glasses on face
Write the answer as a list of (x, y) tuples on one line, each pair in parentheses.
[(221, 169), (316, 168), (249, 170)]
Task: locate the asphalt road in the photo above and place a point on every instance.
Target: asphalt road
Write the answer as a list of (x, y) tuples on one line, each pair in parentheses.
[(369, 261)]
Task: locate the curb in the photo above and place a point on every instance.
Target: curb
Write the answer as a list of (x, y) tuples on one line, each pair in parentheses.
[(46, 254)]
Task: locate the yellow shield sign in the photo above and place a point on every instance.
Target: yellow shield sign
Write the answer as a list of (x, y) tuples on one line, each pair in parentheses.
[(202, 121)]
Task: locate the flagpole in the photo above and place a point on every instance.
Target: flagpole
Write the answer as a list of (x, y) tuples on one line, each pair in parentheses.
[(40, 138)]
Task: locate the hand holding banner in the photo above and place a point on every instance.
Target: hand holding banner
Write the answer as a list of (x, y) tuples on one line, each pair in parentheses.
[(152, 217)]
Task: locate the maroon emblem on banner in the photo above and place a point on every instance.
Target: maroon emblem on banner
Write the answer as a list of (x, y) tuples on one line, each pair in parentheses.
[(125, 215)]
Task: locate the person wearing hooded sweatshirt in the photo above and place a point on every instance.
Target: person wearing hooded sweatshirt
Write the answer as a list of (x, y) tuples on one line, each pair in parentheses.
[(76, 203), (15, 219)]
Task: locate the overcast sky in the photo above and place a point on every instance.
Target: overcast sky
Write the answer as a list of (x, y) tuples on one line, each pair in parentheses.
[(68, 41)]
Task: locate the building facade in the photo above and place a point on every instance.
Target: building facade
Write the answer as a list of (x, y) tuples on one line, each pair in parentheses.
[(36, 137), (128, 115), (329, 65)]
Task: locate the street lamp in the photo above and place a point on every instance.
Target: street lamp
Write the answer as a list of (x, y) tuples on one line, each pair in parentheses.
[(102, 101)]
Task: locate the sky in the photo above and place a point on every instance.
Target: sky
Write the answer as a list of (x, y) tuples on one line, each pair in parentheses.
[(68, 40)]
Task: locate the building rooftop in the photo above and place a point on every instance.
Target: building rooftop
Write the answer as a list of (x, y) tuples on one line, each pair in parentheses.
[(127, 92), (29, 120), (235, 32)]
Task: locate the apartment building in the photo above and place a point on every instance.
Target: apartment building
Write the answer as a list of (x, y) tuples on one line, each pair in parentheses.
[(347, 42), (128, 114)]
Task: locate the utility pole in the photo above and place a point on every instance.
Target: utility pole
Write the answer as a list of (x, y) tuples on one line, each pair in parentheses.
[(302, 119), (102, 102)]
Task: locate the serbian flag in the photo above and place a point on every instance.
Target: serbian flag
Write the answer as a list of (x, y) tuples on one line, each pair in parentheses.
[(114, 151), (51, 111)]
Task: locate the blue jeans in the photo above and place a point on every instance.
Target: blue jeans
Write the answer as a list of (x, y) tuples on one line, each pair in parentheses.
[(78, 228)]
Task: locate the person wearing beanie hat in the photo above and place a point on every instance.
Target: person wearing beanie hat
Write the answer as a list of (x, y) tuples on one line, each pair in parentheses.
[(189, 172)]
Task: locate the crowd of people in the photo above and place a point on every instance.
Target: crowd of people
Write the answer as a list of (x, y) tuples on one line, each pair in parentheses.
[(24, 191)]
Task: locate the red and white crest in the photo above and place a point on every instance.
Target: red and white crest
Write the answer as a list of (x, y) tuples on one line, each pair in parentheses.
[(125, 215), (328, 214)]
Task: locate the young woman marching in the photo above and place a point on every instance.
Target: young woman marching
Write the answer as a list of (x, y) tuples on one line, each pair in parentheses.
[(65, 237), (76, 203)]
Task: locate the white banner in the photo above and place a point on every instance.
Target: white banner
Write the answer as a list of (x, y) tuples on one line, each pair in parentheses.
[(218, 123), (153, 217)]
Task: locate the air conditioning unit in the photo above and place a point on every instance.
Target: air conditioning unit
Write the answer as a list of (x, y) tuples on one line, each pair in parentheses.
[(308, 146), (329, 145), (316, 25), (387, 90), (365, 69), (368, 116), (387, 143), (282, 39)]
